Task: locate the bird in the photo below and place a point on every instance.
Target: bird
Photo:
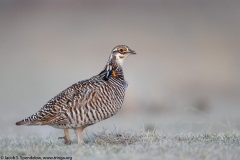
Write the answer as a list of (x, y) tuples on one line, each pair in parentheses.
[(88, 101)]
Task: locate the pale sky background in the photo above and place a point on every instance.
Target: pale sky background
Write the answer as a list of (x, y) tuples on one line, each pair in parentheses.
[(188, 52)]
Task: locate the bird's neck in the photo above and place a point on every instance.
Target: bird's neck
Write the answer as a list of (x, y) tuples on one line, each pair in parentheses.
[(112, 69)]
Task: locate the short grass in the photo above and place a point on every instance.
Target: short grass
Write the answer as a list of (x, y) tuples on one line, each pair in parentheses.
[(128, 145)]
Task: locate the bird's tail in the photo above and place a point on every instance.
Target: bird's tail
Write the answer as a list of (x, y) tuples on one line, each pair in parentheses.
[(32, 120), (22, 122)]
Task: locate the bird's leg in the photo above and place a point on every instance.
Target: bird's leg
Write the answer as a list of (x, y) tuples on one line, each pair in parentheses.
[(66, 136), (78, 133)]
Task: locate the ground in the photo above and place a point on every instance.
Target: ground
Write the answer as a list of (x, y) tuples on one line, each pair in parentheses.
[(160, 136), (127, 145)]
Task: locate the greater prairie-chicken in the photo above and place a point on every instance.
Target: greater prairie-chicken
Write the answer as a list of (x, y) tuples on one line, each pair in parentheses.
[(86, 102)]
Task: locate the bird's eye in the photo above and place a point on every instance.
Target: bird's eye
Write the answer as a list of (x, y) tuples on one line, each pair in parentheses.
[(123, 49)]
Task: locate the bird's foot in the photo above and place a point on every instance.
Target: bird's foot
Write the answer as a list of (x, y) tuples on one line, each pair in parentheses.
[(80, 141), (67, 141), (61, 137)]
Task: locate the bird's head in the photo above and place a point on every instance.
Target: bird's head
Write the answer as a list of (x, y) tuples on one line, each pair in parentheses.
[(119, 53)]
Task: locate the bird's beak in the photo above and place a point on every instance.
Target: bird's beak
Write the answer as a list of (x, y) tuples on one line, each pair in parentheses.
[(132, 52)]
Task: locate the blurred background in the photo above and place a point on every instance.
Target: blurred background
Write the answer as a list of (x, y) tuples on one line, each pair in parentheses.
[(185, 76)]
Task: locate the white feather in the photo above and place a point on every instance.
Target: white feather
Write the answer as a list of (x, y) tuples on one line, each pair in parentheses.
[(120, 60)]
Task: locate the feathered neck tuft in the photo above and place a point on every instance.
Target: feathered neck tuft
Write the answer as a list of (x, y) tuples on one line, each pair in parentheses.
[(111, 68)]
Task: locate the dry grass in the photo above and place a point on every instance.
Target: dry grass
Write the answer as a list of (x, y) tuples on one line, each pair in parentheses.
[(128, 145)]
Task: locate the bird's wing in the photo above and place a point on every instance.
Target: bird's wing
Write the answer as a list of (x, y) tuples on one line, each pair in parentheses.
[(54, 112)]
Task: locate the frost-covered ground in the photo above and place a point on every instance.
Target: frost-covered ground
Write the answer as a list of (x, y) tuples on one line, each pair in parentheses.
[(141, 136), (128, 145)]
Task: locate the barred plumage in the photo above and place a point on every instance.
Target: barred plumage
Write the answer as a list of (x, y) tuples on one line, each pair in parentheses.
[(86, 102)]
